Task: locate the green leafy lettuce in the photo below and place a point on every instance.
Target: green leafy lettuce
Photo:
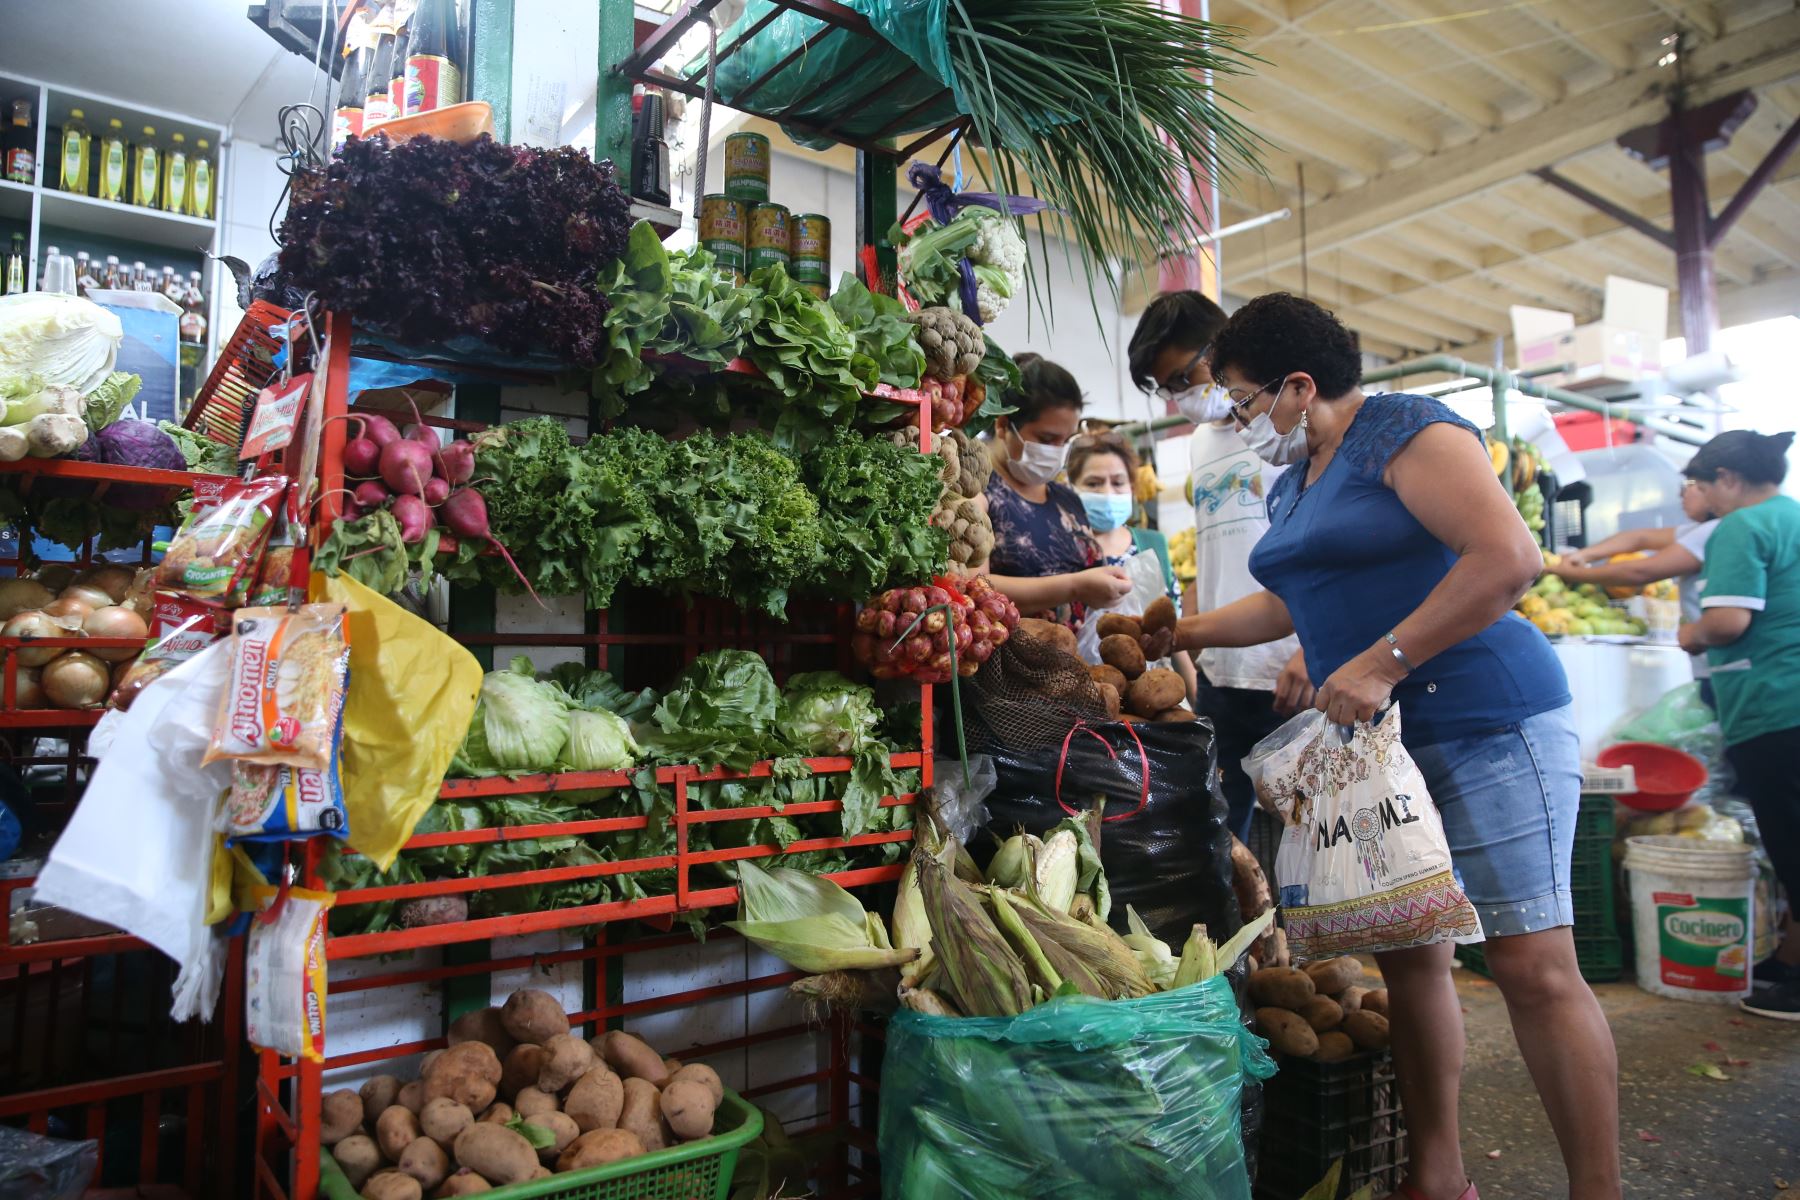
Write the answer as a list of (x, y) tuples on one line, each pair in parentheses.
[(882, 331), (875, 504)]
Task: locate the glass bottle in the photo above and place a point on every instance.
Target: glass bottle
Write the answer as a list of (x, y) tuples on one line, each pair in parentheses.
[(15, 265), (86, 277), (76, 145), (19, 148), (146, 170), (200, 182), (114, 164), (175, 175), (434, 69), (114, 277), (378, 80)]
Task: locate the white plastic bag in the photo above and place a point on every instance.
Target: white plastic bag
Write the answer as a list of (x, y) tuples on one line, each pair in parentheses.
[(1363, 864)]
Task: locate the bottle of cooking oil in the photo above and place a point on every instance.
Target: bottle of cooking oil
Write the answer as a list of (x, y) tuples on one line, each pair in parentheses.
[(73, 177), (200, 183), (114, 163), (175, 175), (146, 169)]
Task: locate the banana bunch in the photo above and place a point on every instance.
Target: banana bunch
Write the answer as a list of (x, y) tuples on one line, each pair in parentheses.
[(1145, 486), (1527, 461), (1181, 555), (1498, 455)]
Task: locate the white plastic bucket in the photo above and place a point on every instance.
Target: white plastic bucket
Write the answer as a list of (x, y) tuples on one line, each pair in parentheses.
[(1692, 904)]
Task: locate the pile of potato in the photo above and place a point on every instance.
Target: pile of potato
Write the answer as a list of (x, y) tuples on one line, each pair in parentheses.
[(1321, 1012), (454, 1131), (1133, 690)]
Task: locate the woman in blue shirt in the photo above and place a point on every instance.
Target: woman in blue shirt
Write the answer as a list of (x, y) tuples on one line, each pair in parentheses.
[(1396, 557)]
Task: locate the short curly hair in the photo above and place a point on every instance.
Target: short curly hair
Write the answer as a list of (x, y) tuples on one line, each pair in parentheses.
[(1279, 334)]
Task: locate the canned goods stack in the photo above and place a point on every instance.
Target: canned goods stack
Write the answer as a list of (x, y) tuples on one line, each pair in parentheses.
[(747, 167), (725, 233), (811, 253), (771, 235), (745, 230)]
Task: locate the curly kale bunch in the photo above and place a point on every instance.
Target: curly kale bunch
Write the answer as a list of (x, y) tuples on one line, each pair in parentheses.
[(428, 239)]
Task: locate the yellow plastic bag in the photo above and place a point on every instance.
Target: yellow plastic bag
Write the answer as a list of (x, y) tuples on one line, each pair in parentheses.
[(412, 694)]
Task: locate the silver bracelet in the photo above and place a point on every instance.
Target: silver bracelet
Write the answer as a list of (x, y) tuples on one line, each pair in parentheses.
[(1399, 655)]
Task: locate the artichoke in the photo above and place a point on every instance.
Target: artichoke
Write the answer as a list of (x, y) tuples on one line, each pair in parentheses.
[(952, 343)]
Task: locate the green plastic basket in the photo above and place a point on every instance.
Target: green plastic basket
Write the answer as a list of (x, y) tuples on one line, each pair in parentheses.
[(692, 1171)]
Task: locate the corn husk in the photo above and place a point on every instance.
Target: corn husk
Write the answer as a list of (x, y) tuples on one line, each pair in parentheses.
[(1104, 953), (987, 977), (1153, 954), (1011, 865), (932, 1004), (847, 991), (1090, 876), (1054, 870), (1013, 929), (810, 923), (1198, 959), (912, 929)]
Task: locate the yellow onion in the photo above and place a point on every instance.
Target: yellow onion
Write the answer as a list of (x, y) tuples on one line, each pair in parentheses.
[(90, 594), (22, 595), (115, 621), (112, 579), (55, 576), (32, 625), (71, 611), (76, 680), (26, 691)]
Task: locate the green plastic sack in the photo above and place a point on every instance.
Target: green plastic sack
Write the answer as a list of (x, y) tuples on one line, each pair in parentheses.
[(915, 31), (1680, 718), (1077, 1098)]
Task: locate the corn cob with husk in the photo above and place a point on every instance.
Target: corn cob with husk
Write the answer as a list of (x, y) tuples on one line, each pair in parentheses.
[(1153, 954), (1199, 959), (1105, 954), (1054, 871), (1011, 865), (1012, 928), (987, 978), (811, 923)]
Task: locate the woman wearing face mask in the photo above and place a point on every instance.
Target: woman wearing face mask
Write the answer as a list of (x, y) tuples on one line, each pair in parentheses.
[(1397, 557), (1749, 629), (1045, 557), (1101, 467)]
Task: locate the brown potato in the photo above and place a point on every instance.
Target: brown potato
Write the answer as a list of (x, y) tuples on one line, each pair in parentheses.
[(358, 1157), (443, 1118), (1351, 998), (642, 1112), (1332, 975), (1116, 623), (499, 1111), (395, 1130), (1369, 1030), (1103, 673), (1174, 716), (1287, 1032), (1160, 615), (463, 1182), (468, 1073), (1123, 654), (1322, 1013), (520, 1070), (562, 1127), (496, 1153), (631, 1057), (530, 1015), (540, 1172), (340, 1115), (393, 1185), (378, 1095), (598, 1148), (1278, 956), (1281, 986), (1132, 719), (567, 1058), (1154, 691), (672, 1066), (1375, 1001), (426, 1162), (1334, 1047), (482, 1025), (479, 1056), (1110, 695), (595, 1100), (1053, 632), (534, 1100), (688, 1106), (425, 1063), (411, 1095), (701, 1073)]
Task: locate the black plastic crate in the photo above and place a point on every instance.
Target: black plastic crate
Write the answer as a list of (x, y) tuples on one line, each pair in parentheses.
[(1316, 1113)]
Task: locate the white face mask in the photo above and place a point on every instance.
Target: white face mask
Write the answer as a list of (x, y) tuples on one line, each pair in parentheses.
[(1037, 463), (1203, 403), (1273, 447)]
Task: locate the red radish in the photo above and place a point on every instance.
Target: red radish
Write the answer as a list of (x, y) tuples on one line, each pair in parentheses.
[(352, 511), (414, 517), (456, 462), (437, 490), (465, 512), (447, 543), (378, 429), (361, 457), (405, 466), (425, 435), (370, 493)]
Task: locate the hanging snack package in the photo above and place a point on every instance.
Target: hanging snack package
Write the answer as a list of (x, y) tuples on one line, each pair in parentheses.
[(275, 572), (284, 975), (180, 627), (215, 554), (278, 804), (290, 669)]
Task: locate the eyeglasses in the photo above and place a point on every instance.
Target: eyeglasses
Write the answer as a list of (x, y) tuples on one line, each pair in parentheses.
[(1182, 380), (1240, 400)]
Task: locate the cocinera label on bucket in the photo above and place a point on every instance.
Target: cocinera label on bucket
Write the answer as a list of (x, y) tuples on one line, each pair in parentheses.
[(1704, 941)]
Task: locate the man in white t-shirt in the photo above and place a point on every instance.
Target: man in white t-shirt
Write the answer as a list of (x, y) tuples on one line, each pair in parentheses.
[(1247, 693)]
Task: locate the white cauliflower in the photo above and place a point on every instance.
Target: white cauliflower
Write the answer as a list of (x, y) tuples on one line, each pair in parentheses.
[(930, 260)]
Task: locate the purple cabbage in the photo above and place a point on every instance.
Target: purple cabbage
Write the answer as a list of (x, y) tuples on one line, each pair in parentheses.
[(134, 443)]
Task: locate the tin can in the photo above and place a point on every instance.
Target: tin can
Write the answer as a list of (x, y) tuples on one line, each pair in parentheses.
[(811, 248), (770, 236), (725, 231), (747, 166)]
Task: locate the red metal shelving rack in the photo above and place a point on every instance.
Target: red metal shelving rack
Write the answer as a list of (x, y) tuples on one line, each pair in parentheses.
[(288, 1093)]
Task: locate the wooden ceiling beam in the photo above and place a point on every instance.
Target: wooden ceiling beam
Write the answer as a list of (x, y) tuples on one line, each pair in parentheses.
[(1755, 55), (1603, 48), (1314, 142), (1342, 299), (1693, 15), (1369, 116), (1500, 264), (1517, 70)]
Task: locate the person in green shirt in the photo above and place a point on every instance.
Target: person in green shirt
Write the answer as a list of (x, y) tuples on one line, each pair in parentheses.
[(1749, 627)]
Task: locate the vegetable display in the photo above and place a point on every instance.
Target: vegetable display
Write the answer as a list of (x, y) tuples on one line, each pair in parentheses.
[(931, 256), (100, 602), (1322, 1012), (909, 632)]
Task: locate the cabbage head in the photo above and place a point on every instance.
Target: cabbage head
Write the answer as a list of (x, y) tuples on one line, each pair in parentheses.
[(599, 741), (520, 725), (822, 713), (61, 340)]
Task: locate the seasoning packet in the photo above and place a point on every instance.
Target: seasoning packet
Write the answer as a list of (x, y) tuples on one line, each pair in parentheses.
[(282, 803), (284, 975), (276, 570), (214, 555), (284, 695), (180, 627)]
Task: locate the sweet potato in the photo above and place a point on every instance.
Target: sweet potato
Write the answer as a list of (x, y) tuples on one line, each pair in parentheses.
[(595, 1100), (1281, 986), (340, 1115), (567, 1057), (1132, 719), (632, 1058), (443, 1118), (482, 1025), (378, 1094), (426, 1162), (1117, 623), (1155, 691), (1123, 654), (1160, 615), (701, 1073), (598, 1148), (1322, 1013), (1053, 632), (1279, 955), (1351, 998), (1174, 716), (1110, 694), (1287, 1032), (393, 1185), (560, 1126), (496, 1153), (521, 1068), (530, 1015), (358, 1157), (395, 1130), (688, 1107), (1332, 975), (463, 1182), (1369, 1030), (1103, 673), (534, 1100), (642, 1112), (499, 1112), (1334, 1047), (539, 1172), (1375, 1001)]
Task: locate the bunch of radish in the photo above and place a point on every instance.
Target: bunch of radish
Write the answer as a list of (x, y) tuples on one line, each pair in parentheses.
[(422, 480), (909, 632)]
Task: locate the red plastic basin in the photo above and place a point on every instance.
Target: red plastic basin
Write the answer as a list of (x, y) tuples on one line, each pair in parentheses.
[(1666, 777)]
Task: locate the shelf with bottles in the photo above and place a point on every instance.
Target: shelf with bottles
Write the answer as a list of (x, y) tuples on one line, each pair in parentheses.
[(137, 127)]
